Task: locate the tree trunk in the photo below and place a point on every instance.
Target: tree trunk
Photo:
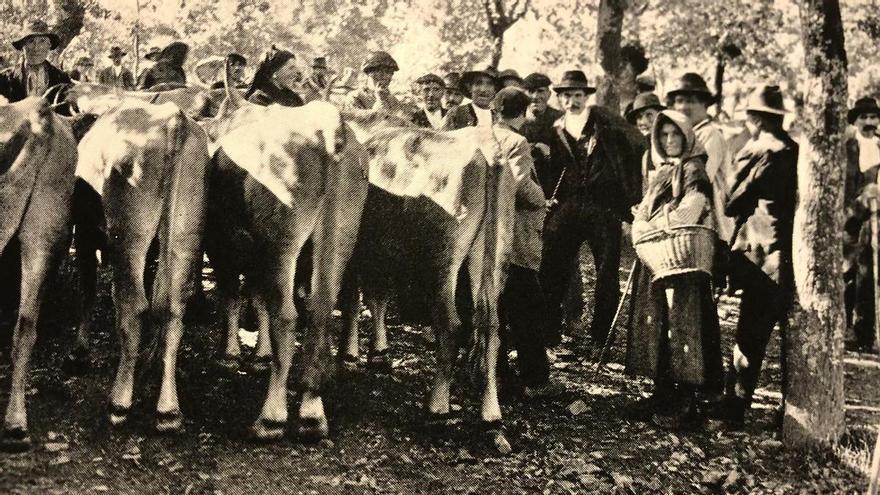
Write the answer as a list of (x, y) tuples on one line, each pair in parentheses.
[(71, 16), (814, 414), (497, 50), (719, 83), (610, 24)]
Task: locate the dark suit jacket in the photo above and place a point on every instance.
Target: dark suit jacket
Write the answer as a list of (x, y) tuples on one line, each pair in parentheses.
[(539, 129), (602, 166), (460, 117), (420, 118), (280, 96), (762, 201), (13, 82), (125, 80)]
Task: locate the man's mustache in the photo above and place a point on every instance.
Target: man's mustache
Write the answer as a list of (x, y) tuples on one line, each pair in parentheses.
[(870, 128)]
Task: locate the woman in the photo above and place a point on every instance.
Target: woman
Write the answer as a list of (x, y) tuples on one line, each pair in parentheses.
[(675, 338), (275, 79)]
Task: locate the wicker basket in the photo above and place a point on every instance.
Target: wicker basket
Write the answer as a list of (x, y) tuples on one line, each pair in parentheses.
[(677, 249)]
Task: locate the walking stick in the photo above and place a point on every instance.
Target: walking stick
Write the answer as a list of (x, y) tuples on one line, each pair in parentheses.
[(610, 337)]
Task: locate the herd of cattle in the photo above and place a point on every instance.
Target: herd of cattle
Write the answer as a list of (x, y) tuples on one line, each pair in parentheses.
[(249, 187)]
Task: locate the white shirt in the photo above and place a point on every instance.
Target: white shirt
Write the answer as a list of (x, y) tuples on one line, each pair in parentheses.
[(435, 118), (575, 123), (869, 151), (117, 70), (484, 116)]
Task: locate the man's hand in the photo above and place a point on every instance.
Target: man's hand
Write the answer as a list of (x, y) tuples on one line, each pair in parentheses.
[(870, 194)]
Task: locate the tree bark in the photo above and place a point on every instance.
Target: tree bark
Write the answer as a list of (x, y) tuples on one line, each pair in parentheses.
[(71, 16), (610, 24), (814, 409)]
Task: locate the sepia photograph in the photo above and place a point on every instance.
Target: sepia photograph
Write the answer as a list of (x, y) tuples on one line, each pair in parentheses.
[(439, 247)]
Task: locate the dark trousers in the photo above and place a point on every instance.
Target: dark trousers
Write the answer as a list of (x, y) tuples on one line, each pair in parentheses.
[(859, 297), (524, 310), (763, 304), (565, 230)]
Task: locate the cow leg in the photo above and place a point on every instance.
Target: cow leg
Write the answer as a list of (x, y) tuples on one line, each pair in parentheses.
[(350, 305), (34, 268), (130, 300), (278, 290), (378, 359), (446, 323), (263, 353)]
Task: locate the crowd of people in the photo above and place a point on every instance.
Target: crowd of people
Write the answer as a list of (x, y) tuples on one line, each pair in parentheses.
[(693, 182)]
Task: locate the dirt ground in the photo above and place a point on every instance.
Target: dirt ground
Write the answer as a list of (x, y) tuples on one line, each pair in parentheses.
[(579, 442)]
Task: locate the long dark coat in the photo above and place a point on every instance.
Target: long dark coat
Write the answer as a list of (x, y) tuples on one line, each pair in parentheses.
[(13, 81)]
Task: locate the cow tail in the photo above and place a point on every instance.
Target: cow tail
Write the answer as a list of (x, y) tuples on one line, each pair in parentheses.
[(164, 288), (486, 308)]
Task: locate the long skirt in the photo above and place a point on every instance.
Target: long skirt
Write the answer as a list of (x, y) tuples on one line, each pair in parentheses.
[(674, 332)]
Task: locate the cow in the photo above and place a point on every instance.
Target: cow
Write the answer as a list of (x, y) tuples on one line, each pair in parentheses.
[(149, 163), (37, 163), (196, 102), (435, 202)]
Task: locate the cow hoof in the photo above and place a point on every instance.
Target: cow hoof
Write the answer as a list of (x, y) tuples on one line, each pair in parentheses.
[(349, 362), (118, 414), (442, 420), (15, 440), (76, 363), (494, 432), (260, 365), (313, 429), (266, 430), (170, 423), (230, 363), (379, 361)]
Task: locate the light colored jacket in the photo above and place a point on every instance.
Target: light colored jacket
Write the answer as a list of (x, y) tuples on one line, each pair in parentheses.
[(530, 201)]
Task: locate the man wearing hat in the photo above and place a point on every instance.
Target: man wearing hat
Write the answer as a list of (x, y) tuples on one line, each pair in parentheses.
[(379, 68), (82, 71), (116, 75), (431, 92), (237, 63), (761, 201), (522, 302), (480, 85), (452, 95), (316, 85), (644, 110), (540, 116), (862, 165), (691, 96), (35, 74), (594, 176)]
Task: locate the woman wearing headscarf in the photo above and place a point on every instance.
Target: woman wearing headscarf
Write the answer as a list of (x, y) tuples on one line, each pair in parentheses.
[(676, 338), (167, 72), (275, 79)]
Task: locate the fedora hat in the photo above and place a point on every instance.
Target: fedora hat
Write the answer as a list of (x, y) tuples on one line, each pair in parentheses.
[(236, 58), (153, 53), (116, 52), (467, 78), (430, 79), (574, 79), (691, 83), (379, 59), (452, 80), (36, 28), (319, 63), (766, 98), (509, 74), (643, 101), (862, 106)]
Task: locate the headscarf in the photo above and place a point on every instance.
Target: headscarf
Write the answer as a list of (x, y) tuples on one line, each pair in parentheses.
[(658, 154), (262, 81)]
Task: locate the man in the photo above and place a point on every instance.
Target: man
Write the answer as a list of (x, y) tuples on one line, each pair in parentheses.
[(761, 201), (431, 92), (82, 71), (237, 63), (452, 95), (862, 165), (35, 74), (522, 301), (116, 75), (691, 96), (644, 110), (538, 127), (594, 176), (379, 68), (480, 85), (315, 86)]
